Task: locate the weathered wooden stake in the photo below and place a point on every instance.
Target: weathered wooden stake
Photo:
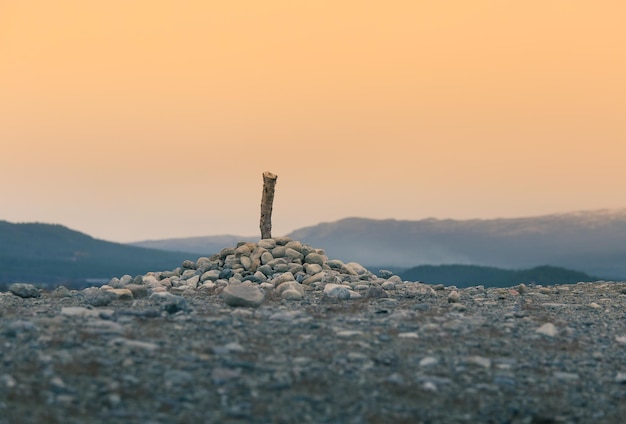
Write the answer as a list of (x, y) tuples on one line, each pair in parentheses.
[(269, 182)]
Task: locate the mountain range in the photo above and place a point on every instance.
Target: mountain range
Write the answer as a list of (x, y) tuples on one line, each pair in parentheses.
[(49, 254), (433, 250), (590, 241)]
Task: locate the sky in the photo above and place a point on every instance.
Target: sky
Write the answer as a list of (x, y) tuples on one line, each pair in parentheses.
[(134, 120)]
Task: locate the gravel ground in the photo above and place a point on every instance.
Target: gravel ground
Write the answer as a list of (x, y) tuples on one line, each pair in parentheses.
[(552, 354)]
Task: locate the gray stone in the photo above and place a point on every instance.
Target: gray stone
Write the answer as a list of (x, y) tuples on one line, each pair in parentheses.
[(244, 294), (175, 304), (260, 276), (281, 241), (189, 264), (314, 278), (290, 285), (335, 264), (295, 245), (95, 297), (312, 269), (385, 273), (279, 279), (193, 281), (126, 279), (293, 254), (291, 295), (246, 262), (315, 258), (337, 291), (243, 250), (454, 296), (24, 290), (267, 243), (266, 269), (295, 268), (279, 252), (214, 275), (266, 257)]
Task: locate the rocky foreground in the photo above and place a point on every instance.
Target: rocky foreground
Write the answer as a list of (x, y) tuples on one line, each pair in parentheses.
[(275, 332)]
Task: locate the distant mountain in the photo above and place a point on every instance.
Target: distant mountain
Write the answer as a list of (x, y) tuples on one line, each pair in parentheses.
[(593, 242), (199, 245), (53, 254), (472, 275)]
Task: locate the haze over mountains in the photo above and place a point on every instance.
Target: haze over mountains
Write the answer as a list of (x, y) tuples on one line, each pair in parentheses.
[(591, 241), (54, 254)]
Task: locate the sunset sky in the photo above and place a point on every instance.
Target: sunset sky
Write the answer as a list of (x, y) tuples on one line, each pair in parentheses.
[(133, 120)]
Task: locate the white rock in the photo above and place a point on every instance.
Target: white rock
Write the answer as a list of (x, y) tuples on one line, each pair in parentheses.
[(548, 329), (428, 361)]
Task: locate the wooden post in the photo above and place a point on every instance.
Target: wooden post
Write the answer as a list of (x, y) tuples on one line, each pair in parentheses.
[(269, 182)]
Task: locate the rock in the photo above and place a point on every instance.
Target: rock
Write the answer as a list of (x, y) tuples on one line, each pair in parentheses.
[(478, 360), (547, 329), (312, 269), (281, 241), (286, 276), (428, 361), (138, 291), (244, 294), (243, 250), (385, 274), (123, 294), (213, 275), (267, 244), (266, 257), (291, 295), (246, 262), (357, 268), (61, 292), (95, 297), (337, 291), (279, 252), (24, 290), (314, 278), (620, 378), (454, 296), (290, 285), (189, 264), (315, 258), (293, 254), (335, 264), (376, 292), (126, 279), (78, 311), (175, 304)]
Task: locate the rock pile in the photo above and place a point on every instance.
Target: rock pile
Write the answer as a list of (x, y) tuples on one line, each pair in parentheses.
[(244, 274)]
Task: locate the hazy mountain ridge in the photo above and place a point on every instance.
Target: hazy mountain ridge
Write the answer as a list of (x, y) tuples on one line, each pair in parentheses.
[(51, 254), (588, 241), (472, 275), (204, 245)]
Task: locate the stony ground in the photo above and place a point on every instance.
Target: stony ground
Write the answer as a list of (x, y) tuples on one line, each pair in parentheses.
[(275, 332), (545, 355)]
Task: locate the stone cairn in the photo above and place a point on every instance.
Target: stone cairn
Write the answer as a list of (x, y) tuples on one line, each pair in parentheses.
[(242, 275)]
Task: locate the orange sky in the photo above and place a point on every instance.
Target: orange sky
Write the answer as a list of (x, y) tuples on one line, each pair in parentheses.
[(139, 119)]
